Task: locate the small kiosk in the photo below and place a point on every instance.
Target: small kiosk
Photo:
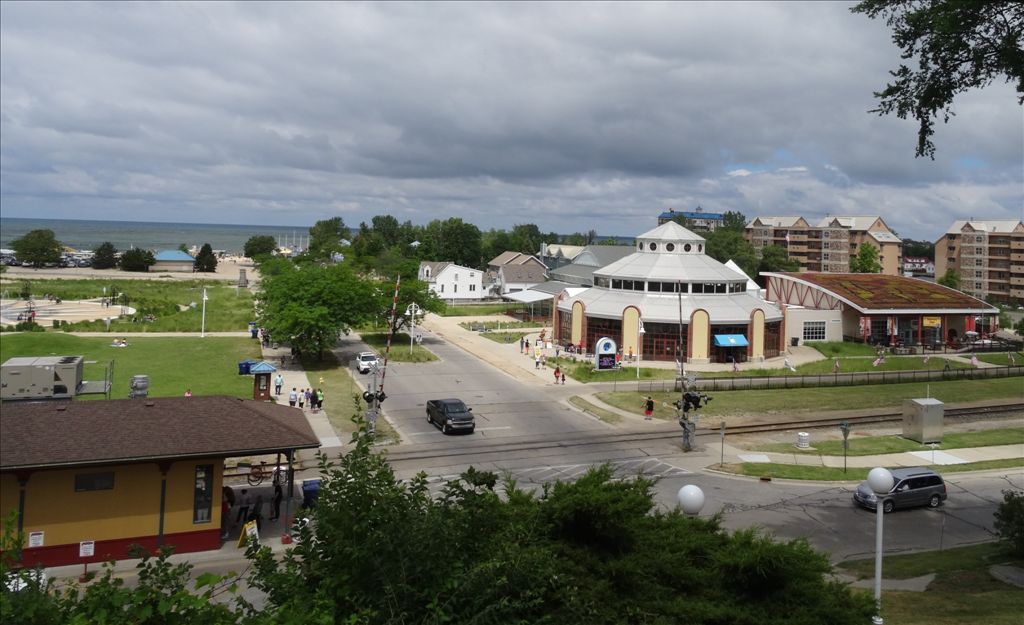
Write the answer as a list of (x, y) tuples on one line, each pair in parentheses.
[(261, 372)]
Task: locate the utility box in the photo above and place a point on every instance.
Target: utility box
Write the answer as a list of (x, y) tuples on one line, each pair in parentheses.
[(47, 377), (922, 420)]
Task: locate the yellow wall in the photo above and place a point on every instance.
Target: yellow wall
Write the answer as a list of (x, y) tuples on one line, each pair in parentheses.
[(757, 335), (129, 509), (630, 330), (577, 323), (700, 324)]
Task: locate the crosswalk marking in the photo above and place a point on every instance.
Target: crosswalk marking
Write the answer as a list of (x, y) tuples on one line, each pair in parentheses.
[(649, 467)]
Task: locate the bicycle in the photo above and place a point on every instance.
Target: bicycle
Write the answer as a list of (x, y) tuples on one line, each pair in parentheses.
[(258, 473)]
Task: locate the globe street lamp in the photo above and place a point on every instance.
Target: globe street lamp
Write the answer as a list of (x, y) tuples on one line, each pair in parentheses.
[(691, 499), (411, 311), (881, 481)]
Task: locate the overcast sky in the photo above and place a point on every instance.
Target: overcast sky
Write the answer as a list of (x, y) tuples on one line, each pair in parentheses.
[(571, 116)]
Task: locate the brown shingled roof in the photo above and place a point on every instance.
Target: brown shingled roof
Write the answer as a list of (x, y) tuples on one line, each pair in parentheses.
[(878, 291), (47, 434)]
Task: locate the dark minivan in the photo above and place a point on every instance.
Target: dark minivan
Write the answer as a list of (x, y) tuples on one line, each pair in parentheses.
[(912, 486)]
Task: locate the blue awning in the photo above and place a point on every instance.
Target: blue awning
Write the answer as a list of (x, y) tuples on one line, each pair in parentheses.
[(730, 340)]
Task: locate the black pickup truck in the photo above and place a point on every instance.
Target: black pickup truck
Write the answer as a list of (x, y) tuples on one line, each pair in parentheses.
[(450, 415)]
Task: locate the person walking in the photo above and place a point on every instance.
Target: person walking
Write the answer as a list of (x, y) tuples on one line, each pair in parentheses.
[(244, 503), (311, 399), (275, 504), (319, 399), (278, 383), (293, 397), (648, 408), (563, 378), (303, 394), (558, 373)]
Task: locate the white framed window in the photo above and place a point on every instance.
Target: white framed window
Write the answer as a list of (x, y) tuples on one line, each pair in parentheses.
[(455, 288), (814, 330), (472, 288), (442, 287)]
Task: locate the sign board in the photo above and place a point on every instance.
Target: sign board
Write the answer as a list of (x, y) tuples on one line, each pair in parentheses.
[(604, 353), (249, 529), (931, 322), (35, 539), (86, 549)]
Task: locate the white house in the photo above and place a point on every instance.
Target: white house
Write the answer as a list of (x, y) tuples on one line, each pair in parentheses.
[(451, 281)]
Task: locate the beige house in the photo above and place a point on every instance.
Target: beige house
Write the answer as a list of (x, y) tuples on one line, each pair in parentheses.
[(988, 255)]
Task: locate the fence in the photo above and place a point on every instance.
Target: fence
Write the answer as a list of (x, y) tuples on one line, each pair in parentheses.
[(741, 383)]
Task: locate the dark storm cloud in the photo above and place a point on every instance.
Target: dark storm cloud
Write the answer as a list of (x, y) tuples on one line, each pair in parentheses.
[(572, 116)]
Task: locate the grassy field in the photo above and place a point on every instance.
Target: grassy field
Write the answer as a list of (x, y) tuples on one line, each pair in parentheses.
[(829, 474), (1002, 358), (788, 401), (500, 325), (963, 591), (399, 347), (870, 445), (208, 366), (227, 309), (503, 337), (478, 310), (842, 349)]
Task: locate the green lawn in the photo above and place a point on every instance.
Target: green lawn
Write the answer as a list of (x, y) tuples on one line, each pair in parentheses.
[(503, 337), (841, 349), (604, 415), (788, 401), (227, 308), (478, 310), (1002, 359), (509, 324), (871, 445), (827, 474), (399, 347), (963, 591), (208, 366)]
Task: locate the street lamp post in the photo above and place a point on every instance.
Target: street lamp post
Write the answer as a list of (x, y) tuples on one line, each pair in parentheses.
[(691, 499), (881, 481), (640, 348), (202, 327), (411, 311)]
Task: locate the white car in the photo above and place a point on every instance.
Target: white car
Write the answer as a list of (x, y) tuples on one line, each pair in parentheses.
[(366, 362)]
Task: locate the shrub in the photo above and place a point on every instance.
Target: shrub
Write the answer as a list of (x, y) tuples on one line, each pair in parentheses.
[(1009, 521)]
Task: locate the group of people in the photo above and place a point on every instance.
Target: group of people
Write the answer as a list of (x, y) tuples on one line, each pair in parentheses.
[(119, 342), (248, 508), (313, 397)]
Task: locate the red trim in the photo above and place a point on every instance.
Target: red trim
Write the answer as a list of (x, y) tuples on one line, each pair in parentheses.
[(117, 549)]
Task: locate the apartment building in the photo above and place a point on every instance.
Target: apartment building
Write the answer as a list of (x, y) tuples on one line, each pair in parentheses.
[(697, 220), (828, 244), (988, 255)]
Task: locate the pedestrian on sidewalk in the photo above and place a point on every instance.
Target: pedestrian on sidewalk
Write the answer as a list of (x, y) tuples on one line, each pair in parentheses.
[(275, 504), (293, 397), (311, 399), (244, 503), (303, 394), (536, 361), (319, 399), (563, 378), (648, 408), (558, 373), (278, 383)]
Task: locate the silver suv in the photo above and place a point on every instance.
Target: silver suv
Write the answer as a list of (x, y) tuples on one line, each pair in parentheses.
[(912, 486), (366, 361)]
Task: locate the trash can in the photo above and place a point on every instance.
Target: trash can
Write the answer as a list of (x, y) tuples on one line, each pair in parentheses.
[(310, 492), (245, 366), (794, 341), (252, 330)]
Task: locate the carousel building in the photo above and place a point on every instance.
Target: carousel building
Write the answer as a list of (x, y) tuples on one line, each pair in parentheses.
[(669, 297)]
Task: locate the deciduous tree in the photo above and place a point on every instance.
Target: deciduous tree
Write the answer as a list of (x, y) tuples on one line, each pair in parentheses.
[(136, 259), (325, 238), (259, 245), (37, 247), (735, 221), (775, 258), (951, 279), (865, 260), (957, 46)]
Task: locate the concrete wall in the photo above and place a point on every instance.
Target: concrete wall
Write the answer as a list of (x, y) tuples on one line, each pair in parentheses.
[(834, 326)]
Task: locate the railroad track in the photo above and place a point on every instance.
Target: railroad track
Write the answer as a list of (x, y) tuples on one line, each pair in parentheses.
[(666, 432)]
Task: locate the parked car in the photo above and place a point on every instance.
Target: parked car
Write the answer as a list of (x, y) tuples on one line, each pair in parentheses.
[(912, 486), (451, 415), (366, 361)]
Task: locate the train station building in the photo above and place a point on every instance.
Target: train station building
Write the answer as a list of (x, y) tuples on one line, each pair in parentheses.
[(669, 298)]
